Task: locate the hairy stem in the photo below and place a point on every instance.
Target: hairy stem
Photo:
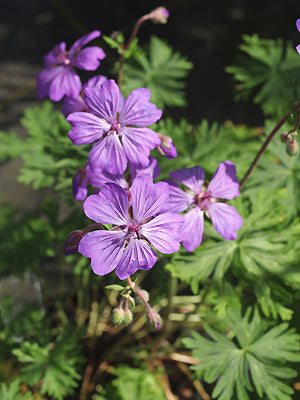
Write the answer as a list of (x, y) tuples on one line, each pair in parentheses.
[(263, 148)]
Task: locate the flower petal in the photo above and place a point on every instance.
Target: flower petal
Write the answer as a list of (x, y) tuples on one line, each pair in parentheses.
[(108, 154), (76, 47), (152, 169), (226, 220), (147, 198), (178, 200), (103, 102), (105, 248), (191, 177), (224, 183), (298, 24), (72, 104), (67, 82), (109, 206), (87, 128), (163, 232), (45, 78), (192, 230), (98, 178), (89, 58), (137, 144), (298, 48), (137, 255), (138, 110), (56, 55)]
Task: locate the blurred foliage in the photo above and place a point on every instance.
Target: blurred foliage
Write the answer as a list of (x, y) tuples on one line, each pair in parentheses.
[(269, 70)]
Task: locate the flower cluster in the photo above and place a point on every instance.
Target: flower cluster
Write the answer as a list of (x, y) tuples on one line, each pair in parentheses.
[(145, 217)]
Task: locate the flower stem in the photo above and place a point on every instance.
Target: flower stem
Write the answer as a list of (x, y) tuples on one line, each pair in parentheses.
[(132, 37), (263, 148), (137, 290)]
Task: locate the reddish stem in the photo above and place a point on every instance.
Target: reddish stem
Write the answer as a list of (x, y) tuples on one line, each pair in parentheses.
[(263, 148)]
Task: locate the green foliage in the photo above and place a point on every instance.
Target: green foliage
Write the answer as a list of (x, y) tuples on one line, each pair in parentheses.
[(49, 157), (261, 258), (207, 145), (256, 359), (162, 73), (119, 44), (13, 392), (277, 163), (271, 71), (55, 364), (133, 384)]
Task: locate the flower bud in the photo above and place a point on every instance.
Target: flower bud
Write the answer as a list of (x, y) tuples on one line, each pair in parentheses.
[(144, 294), (131, 302), (159, 15), (166, 147), (118, 316), (292, 148), (154, 319), (72, 242), (127, 317), (285, 137)]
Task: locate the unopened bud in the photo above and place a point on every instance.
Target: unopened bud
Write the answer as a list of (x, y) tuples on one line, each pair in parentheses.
[(292, 148), (72, 242), (154, 319), (166, 147), (118, 316), (131, 302), (285, 137), (127, 317), (144, 294), (159, 15)]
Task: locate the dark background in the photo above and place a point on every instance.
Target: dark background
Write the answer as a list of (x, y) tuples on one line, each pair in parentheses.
[(207, 32)]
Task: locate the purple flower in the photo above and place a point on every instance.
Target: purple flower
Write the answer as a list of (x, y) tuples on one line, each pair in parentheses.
[(72, 104), (117, 127), (80, 184), (127, 247), (59, 78), (200, 198), (298, 27)]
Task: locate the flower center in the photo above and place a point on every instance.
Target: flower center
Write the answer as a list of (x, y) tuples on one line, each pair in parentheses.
[(114, 128), (134, 228), (203, 199)]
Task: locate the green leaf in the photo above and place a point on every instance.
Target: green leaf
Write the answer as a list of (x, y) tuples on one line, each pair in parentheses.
[(162, 73), (255, 360), (49, 157), (13, 392), (133, 384), (271, 71), (115, 287), (56, 364)]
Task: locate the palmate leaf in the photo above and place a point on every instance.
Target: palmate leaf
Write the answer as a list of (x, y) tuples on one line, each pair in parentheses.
[(256, 359), (56, 365), (162, 73), (262, 257), (270, 69), (49, 157), (13, 392), (132, 384)]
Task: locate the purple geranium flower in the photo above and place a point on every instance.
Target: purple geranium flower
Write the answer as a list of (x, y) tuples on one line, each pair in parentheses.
[(117, 127), (298, 27), (59, 78), (200, 198), (127, 247)]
